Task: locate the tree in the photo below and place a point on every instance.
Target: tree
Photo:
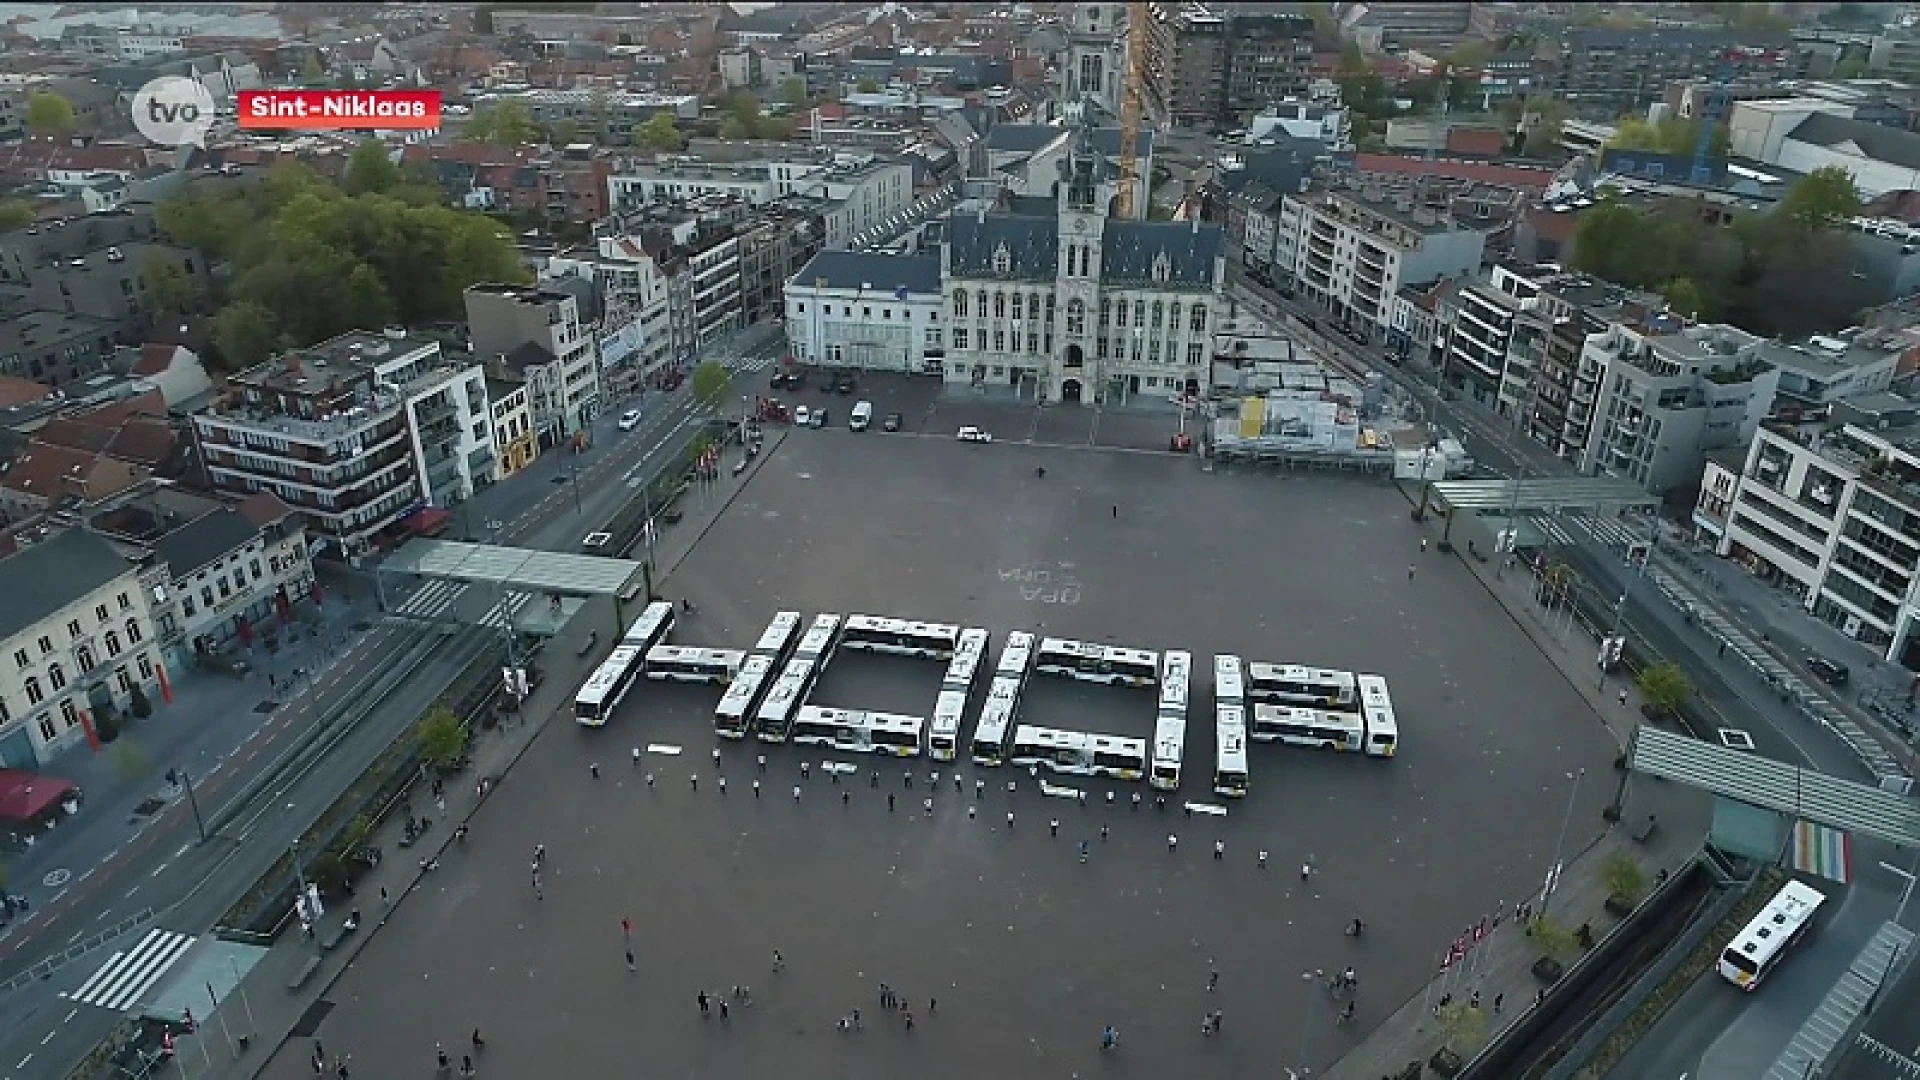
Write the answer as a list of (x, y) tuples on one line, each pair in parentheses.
[(733, 128), (1851, 66), (600, 118), (138, 703), (1352, 60), (1462, 1027), (867, 85), (563, 133), (313, 73), (1623, 876), (166, 287), (1822, 199), (442, 736), (658, 133), (245, 333), (370, 169), (710, 382), (1685, 297), (793, 91), (1672, 135), (502, 123), (49, 114), (15, 215), (1666, 688)]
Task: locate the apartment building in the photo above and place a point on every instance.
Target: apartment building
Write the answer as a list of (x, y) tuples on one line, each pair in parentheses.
[(536, 336), (1209, 67), (621, 111), (1269, 60), (355, 432), (1606, 73), (1664, 400), (868, 310), (1353, 251), (852, 193), (77, 636), (513, 433)]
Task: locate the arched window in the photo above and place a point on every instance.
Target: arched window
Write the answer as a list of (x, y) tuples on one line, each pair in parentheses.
[(1159, 314), (1139, 313), (999, 304), (133, 631), (980, 302), (1106, 312), (1199, 318), (1076, 316), (84, 657), (113, 643), (960, 303), (1017, 305), (1049, 309), (1173, 317), (57, 677)]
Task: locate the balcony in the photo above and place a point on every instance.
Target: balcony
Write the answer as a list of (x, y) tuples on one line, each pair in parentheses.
[(337, 478)]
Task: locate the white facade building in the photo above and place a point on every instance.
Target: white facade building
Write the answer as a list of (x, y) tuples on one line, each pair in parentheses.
[(537, 336), (857, 192), (1079, 306), (866, 310), (1352, 252)]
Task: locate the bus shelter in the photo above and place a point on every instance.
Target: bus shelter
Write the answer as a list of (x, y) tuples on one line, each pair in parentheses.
[(555, 576), (1520, 504)]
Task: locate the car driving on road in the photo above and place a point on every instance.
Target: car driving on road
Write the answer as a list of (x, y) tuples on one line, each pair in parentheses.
[(974, 434)]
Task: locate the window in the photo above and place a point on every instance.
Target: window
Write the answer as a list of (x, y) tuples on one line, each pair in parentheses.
[(959, 338), (980, 302), (1076, 316), (73, 629), (1139, 313), (83, 656), (1106, 312), (1195, 354), (866, 313), (187, 607), (206, 596), (254, 568), (126, 603), (1120, 314), (1153, 351), (146, 667), (1002, 259), (999, 341), (1016, 305), (1033, 341), (1151, 382), (113, 643), (124, 680), (69, 715), (960, 303), (133, 630), (47, 732), (225, 589), (1159, 313), (100, 612), (999, 305), (1199, 320), (46, 645), (1173, 317), (34, 694), (21, 658), (56, 677)]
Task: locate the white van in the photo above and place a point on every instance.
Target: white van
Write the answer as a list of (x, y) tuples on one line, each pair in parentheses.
[(862, 416)]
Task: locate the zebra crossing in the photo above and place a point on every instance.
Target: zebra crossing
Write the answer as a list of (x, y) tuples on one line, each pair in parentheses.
[(127, 976), (440, 599), (1849, 999)]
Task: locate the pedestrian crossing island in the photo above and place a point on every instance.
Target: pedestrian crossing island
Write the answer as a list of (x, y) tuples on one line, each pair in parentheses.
[(124, 980)]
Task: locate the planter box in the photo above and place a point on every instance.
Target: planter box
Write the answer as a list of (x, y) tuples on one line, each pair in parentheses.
[(1619, 906), (1446, 1062), (1548, 970)]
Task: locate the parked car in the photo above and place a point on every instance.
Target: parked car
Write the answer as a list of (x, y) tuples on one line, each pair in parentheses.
[(819, 418), (629, 419), (802, 416), (843, 384), (891, 423), (1827, 671), (974, 434)]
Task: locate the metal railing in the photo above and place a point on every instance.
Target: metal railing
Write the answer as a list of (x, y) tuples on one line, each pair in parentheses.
[(45, 968)]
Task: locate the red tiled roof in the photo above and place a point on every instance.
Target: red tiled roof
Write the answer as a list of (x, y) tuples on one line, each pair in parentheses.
[(100, 157), (48, 471), (1480, 172), (1477, 141), (143, 440), (151, 403), (154, 359), (17, 391), (74, 435), (263, 508)]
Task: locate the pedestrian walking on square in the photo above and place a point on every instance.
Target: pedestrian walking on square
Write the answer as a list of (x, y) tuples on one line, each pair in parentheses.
[(341, 1071), (907, 779), (539, 856), (756, 789), (1409, 571), (1136, 800), (649, 779), (846, 797), (716, 758), (909, 1016), (630, 966), (933, 1006), (1009, 819), (1498, 1000), (763, 763), (626, 928), (889, 802), (806, 770), (1213, 981), (440, 1055), (1172, 842), (594, 769), (979, 788), (1306, 870), (723, 1009), (927, 805), (1053, 827), (1473, 1001), (636, 757), (856, 1019), (1623, 695), (1219, 850), (1423, 543), (466, 1064), (873, 779), (1116, 511), (723, 785), (1263, 860), (971, 812), (1109, 798), (383, 896), (1103, 833), (695, 781), (796, 793), (705, 1006), (957, 789), (778, 960)]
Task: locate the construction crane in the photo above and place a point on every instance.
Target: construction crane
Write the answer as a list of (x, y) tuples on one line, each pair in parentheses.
[(1702, 172), (1133, 105)]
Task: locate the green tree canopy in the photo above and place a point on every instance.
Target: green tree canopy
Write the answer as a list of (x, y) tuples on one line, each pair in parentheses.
[(1671, 135), (165, 287), (502, 123), (371, 169), (309, 261), (867, 85), (15, 215), (793, 91), (658, 133), (1665, 687), (442, 735), (49, 114), (1822, 199)]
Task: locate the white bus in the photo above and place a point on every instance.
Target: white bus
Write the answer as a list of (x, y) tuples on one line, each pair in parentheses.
[(775, 718), (1787, 918), (935, 641), (1318, 728), (1170, 729), (778, 637), (1079, 753), (593, 706), (682, 663), (1016, 657), (733, 717), (652, 627), (943, 732), (858, 731), (1229, 680), (990, 735), (1291, 684), (1097, 663), (1376, 708), (818, 640), (968, 655), (1230, 751)]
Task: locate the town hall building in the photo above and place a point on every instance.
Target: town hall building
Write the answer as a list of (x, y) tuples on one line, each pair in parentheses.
[(1064, 302)]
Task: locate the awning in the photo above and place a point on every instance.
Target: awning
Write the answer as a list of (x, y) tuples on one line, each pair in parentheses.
[(26, 796)]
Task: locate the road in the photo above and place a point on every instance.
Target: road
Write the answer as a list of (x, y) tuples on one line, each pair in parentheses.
[(1713, 1034), (191, 884)]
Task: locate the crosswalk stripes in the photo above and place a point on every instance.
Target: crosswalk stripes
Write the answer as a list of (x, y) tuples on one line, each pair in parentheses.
[(126, 977), (437, 599), (751, 363)]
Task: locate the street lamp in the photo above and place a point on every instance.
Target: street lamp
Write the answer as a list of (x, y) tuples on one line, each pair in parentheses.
[(1559, 845), (185, 782), (1620, 606)]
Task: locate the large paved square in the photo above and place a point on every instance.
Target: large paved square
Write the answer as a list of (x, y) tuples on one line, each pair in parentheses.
[(1028, 951)]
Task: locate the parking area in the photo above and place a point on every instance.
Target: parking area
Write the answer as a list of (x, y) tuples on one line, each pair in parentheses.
[(1029, 950)]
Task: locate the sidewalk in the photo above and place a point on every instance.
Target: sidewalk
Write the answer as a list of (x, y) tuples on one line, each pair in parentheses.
[(1500, 967), (274, 1007)]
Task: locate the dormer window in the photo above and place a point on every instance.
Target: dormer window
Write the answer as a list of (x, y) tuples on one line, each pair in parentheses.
[(1162, 268), (1002, 259)]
